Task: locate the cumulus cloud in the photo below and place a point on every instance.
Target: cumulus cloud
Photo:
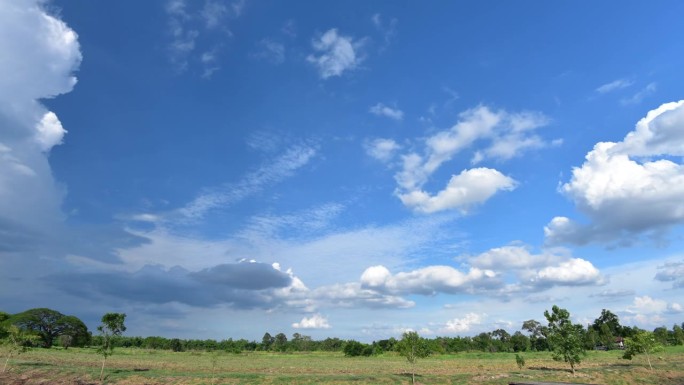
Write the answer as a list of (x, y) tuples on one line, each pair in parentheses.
[(463, 191), (382, 149), (631, 187), (316, 321), (536, 272), (39, 55), (388, 112), (646, 310), (335, 54), (461, 325), (500, 136), (429, 280)]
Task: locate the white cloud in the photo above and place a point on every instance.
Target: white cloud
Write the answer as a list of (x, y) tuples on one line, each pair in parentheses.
[(429, 280), (469, 188), (624, 188), (504, 135), (575, 272), (336, 54), (39, 55), (316, 321), (614, 86), (512, 257), (382, 149), (389, 112), (461, 325)]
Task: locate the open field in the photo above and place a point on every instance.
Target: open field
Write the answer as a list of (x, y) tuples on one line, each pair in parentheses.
[(154, 367)]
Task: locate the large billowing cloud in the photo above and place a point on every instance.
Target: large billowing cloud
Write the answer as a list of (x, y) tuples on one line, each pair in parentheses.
[(631, 187), (39, 54)]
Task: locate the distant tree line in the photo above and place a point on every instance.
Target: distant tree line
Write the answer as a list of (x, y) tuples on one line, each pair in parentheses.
[(52, 328)]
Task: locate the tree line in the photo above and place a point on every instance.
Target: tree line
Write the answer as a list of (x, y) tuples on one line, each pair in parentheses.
[(52, 328)]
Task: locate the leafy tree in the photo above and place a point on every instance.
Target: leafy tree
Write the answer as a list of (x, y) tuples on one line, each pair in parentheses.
[(355, 348), (538, 334), (112, 326), (176, 345), (413, 347), (520, 342), (17, 342), (565, 337), (642, 342), (677, 335), (611, 321), (661, 335), (606, 337), (267, 341), (280, 343), (49, 324)]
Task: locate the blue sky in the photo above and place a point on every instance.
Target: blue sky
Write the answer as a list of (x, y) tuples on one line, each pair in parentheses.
[(221, 169)]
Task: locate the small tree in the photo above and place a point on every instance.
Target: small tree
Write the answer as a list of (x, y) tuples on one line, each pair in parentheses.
[(565, 337), (413, 347), (17, 342), (112, 326), (642, 342), (520, 360)]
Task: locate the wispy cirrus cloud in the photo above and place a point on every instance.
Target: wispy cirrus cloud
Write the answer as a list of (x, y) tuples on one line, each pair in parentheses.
[(192, 29), (614, 86), (270, 173)]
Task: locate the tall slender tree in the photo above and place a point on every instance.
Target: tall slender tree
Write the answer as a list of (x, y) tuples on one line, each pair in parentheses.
[(565, 337), (112, 326)]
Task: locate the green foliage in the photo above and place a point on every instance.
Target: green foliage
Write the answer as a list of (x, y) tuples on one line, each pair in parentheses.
[(17, 341), (49, 324), (608, 323), (642, 342), (520, 361), (112, 326), (565, 338), (355, 348), (520, 342)]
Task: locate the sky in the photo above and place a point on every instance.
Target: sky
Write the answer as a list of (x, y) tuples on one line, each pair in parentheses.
[(222, 169)]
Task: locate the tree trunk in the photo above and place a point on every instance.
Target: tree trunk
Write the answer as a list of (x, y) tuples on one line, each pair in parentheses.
[(6, 361), (648, 358), (572, 366), (413, 377), (102, 370)]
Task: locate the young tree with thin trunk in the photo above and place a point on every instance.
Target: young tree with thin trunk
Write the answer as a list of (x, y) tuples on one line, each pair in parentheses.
[(565, 337), (112, 326), (17, 342), (642, 342), (413, 347)]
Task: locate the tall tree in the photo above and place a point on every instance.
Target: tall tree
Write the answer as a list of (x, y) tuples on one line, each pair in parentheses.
[(266, 341), (413, 347), (112, 326), (565, 337)]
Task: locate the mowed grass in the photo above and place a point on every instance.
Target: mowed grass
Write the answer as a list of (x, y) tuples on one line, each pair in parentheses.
[(154, 367)]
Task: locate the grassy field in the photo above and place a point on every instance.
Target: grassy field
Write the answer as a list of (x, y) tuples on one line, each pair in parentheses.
[(135, 366)]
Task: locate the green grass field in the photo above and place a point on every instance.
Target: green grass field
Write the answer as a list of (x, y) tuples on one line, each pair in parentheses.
[(136, 366)]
